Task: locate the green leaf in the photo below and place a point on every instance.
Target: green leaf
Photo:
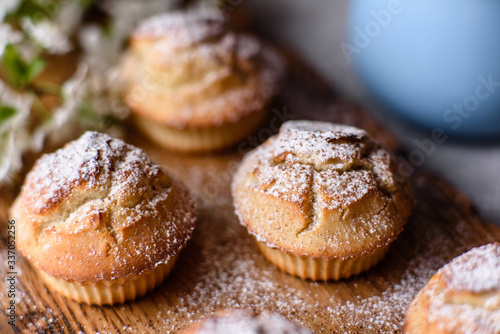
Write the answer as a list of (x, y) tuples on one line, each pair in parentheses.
[(35, 68), (48, 87), (15, 66), (20, 72), (6, 112), (38, 9)]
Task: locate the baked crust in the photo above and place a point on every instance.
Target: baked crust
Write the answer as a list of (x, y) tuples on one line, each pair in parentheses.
[(187, 70), (200, 140), (462, 297), (100, 209), (244, 321), (321, 190)]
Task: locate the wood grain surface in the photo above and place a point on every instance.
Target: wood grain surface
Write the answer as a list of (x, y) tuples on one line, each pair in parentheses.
[(222, 267)]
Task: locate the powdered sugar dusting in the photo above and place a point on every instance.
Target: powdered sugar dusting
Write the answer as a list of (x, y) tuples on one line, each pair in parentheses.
[(246, 322), (227, 271), (323, 169), (192, 71), (276, 181), (476, 271), (342, 189), (321, 143), (344, 160), (222, 268), (183, 28), (465, 294), (88, 203), (94, 161)]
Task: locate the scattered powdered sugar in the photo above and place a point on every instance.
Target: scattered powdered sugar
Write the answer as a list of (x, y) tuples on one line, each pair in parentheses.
[(476, 271), (246, 322), (221, 268), (229, 272), (225, 270), (183, 28)]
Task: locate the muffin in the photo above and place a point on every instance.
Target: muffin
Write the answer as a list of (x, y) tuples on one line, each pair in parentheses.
[(322, 200), (193, 85), (100, 222), (245, 322), (462, 297)]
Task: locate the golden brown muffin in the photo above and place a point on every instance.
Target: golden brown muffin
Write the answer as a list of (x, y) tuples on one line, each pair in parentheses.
[(462, 297), (195, 86), (100, 221), (323, 200), (245, 322)]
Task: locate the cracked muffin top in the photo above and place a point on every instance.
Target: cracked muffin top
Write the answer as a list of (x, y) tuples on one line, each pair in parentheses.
[(100, 209), (322, 190)]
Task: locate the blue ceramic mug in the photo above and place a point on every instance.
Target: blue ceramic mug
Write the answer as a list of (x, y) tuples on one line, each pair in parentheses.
[(436, 62)]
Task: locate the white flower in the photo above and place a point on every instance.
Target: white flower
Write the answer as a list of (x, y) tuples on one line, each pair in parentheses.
[(48, 35), (8, 6), (69, 17), (8, 36), (99, 50), (102, 54), (72, 86), (21, 102), (14, 133), (64, 118)]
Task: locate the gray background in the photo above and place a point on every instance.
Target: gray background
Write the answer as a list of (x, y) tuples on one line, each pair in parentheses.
[(315, 29)]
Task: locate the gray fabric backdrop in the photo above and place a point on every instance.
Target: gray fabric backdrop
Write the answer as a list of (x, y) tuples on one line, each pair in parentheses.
[(315, 30)]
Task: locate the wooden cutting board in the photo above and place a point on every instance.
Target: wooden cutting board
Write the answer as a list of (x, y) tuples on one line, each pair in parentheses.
[(222, 267)]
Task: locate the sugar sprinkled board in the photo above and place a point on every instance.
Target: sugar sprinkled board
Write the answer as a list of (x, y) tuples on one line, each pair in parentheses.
[(222, 267)]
